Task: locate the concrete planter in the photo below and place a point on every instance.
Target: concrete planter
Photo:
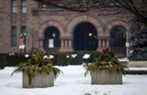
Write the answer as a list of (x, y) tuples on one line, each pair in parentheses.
[(39, 81), (106, 77)]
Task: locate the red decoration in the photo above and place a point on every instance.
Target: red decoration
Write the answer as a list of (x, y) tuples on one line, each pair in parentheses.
[(105, 50)]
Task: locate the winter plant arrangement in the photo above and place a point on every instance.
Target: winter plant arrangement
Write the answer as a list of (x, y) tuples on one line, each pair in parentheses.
[(106, 68), (38, 71)]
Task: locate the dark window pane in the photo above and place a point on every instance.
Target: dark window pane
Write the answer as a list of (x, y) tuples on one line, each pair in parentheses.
[(13, 36), (85, 37)]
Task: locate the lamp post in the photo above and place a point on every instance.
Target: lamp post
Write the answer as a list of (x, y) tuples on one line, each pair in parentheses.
[(127, 44), (127, 48)]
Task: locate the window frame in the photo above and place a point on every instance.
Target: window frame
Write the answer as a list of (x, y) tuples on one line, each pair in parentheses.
[(14, 7), (24, 8)]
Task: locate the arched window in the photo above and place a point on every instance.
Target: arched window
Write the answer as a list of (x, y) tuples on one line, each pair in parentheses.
[(118, 40), (85, 37), (51, 38)]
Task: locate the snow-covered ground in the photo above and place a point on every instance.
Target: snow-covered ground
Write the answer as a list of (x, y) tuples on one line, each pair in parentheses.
[(72, 82)]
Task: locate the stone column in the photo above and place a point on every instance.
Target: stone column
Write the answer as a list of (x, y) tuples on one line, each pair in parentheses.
[(33, 24), (107, 43), (99, 43), (102, 43), (70, 49), (66, 44), (70, 44), (62, 43)]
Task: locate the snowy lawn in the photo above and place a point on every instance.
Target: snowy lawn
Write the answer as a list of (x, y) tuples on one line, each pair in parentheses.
[(72, 82)]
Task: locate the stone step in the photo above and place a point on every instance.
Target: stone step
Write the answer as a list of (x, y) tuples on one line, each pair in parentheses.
[(137, 64), (136, 70)]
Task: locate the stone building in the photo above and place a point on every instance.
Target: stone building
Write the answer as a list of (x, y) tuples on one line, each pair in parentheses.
[(27, 24)]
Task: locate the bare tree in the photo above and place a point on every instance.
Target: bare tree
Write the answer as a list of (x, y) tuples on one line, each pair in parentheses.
[(84, 5), (76, 5), (137, 7)]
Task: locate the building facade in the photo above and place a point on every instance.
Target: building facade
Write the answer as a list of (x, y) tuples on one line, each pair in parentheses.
[(27, 24)]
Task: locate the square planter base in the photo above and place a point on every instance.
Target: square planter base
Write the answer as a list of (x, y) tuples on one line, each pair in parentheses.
[(106, 77), (39, 81)]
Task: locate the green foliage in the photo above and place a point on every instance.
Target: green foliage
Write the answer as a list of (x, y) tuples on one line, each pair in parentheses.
[(64, 60), (37, 64), (105, 61), (94, 56)]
